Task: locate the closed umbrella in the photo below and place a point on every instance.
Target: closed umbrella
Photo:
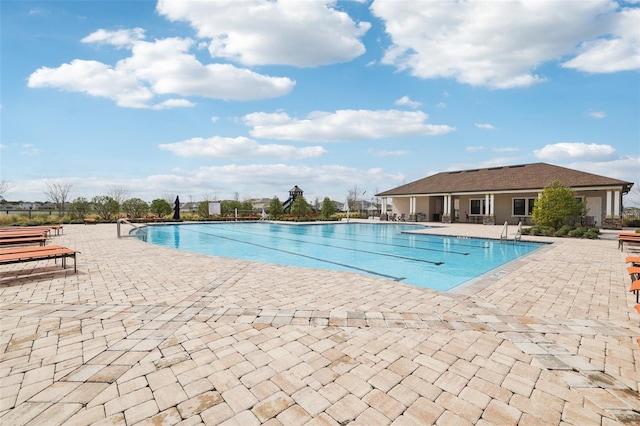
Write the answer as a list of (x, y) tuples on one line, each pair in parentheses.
[(176, 209)]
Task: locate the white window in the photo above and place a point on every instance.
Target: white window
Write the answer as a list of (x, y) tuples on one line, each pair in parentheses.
[(522, 206), (476, 207)]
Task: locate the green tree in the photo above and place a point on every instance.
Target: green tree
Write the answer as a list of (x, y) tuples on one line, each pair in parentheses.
[(135, 207), (328, 208), (203, 209), (160, 207), (246, 207), (300, 207), (227, 208), (79, 208), (558, 206), (105, 206), (275, 208)]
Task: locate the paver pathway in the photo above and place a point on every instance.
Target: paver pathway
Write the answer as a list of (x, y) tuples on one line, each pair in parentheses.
[(149, 335)]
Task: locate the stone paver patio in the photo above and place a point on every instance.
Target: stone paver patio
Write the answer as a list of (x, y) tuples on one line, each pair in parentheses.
[(150, 335)]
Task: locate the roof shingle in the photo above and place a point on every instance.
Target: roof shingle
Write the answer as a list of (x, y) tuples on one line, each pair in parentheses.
[(534, 176)]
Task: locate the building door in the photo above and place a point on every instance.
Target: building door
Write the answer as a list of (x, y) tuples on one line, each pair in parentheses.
[(594, 209)]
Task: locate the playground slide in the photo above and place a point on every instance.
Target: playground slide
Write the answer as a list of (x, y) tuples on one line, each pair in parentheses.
[(286, 206)]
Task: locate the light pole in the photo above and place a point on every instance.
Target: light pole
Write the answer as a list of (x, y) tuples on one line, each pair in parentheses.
[(362, 202)]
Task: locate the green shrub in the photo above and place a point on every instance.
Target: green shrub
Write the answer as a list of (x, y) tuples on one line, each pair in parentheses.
[(592, 233), (10, 219), (546, 231), (578, 232), (564, 231)]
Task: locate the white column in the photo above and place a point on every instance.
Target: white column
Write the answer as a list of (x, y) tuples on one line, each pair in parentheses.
[(609, 203), (492, 205), (384, 205), (486, 205), (616, 204), (447, 205), (413, 205)]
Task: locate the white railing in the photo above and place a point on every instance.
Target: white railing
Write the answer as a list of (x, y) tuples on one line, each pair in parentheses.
[(518, 235), (142, 231), (504, 235)]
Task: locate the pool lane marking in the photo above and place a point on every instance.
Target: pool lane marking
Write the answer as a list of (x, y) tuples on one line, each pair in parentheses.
[(353, 239), (349, 248), (449, 237), (308, 257)]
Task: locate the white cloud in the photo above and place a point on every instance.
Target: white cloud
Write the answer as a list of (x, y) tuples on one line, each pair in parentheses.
[(119, 38), (484, 126), (624, 168), (474, 148), (174, 103), (239, 148), (169, 69), (343, 125), (251, 180), (260, 180), (505, 149), (500, 44), (574, 151), (597, 114), (261, 32), (95, 79), (29, 150), (215, 119), (162, 67), (386, 153), (406, 101), (619, 50)]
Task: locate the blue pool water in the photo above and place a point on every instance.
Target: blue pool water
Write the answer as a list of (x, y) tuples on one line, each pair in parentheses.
[(384, 250)]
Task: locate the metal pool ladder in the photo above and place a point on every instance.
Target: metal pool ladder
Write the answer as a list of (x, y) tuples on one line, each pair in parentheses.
[(504, 235), (142, 231)]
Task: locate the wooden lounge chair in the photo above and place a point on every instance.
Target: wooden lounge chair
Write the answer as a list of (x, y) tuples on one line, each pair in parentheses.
[(635, 287), (31, 254), (634, 260)]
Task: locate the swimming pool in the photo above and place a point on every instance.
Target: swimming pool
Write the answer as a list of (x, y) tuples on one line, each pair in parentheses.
[(388, 251)]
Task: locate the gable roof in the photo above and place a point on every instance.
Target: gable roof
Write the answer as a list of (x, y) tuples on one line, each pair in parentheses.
[(533, 176)]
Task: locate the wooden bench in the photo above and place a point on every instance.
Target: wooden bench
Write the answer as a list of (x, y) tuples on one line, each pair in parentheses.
[(49, 229), (31, 254), (627, 237), (22, 240)]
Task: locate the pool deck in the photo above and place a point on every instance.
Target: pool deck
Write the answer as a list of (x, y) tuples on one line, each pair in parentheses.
[(149, 335)]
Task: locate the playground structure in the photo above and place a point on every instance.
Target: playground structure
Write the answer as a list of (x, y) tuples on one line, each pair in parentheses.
[(293, 194)]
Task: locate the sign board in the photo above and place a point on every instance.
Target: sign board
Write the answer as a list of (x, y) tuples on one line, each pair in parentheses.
[(214, 208)]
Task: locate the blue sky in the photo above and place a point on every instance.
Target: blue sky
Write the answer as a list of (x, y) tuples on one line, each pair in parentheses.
[(213, 99)]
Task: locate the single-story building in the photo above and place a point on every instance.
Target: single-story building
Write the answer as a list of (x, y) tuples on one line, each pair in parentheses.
[(503, 194)]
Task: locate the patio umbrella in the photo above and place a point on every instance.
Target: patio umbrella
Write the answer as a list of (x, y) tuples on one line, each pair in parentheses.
[(176, 209)]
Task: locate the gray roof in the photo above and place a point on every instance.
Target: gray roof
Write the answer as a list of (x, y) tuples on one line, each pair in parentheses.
[(533, 176)]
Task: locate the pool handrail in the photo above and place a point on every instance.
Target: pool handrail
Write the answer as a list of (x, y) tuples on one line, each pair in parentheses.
[(128, 222), (504, 235), (505, 231)]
